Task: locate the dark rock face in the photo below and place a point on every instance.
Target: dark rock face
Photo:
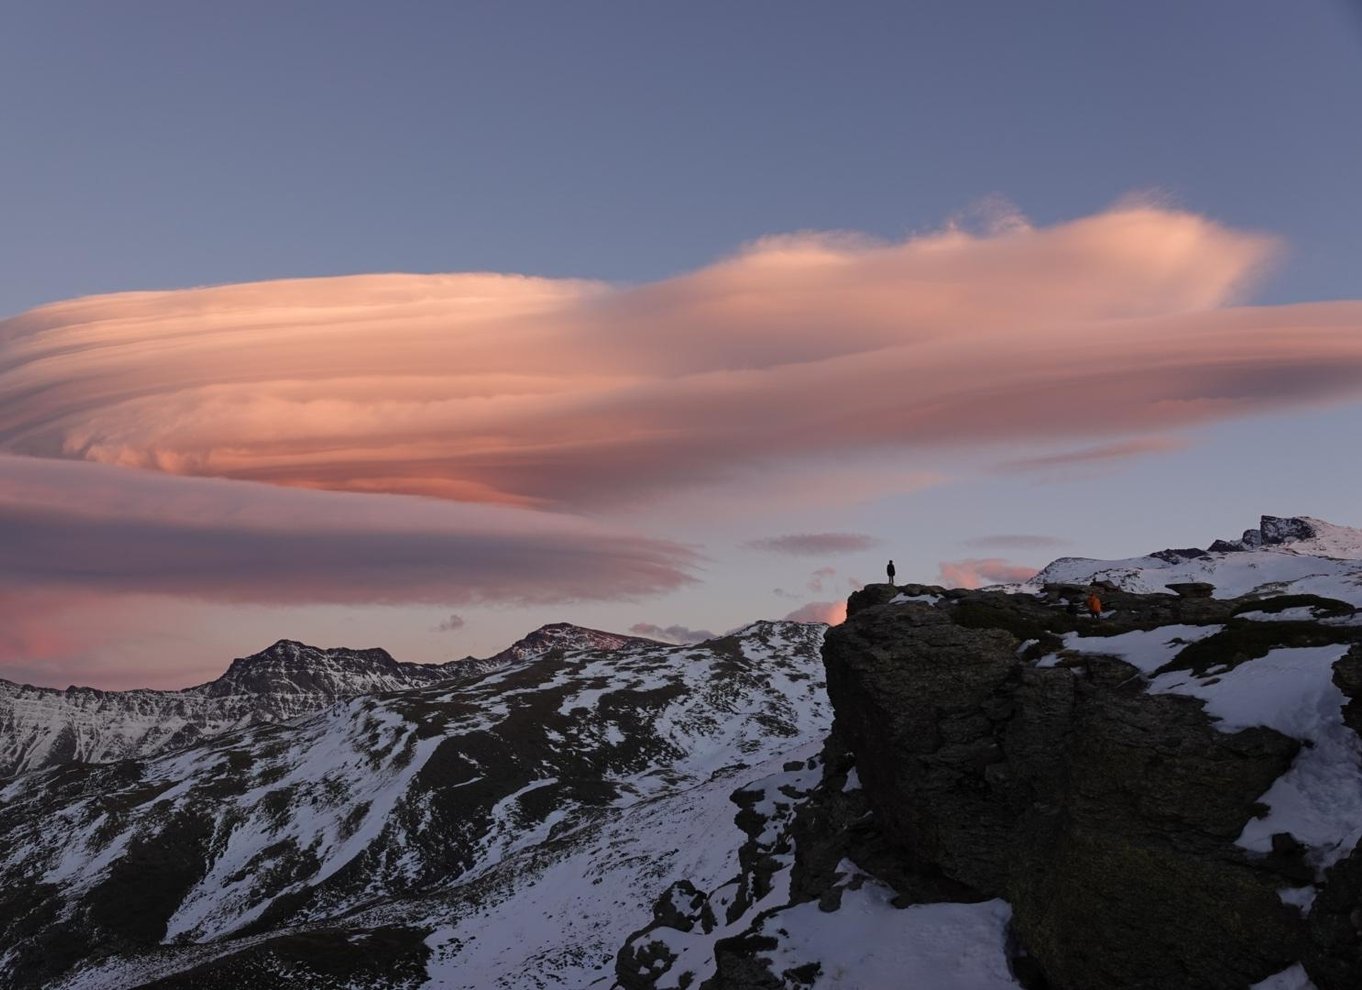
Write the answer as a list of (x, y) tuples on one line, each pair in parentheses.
[(1348, 677), (1272, 531), (1191, 589), (1175, 556), (1275, 530), (1106, 816), (1336, 926)]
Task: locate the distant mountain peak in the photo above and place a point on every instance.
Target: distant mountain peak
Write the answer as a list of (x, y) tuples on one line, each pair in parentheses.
[(42, 727), (1297, 554), (293, 651), (565, 636)]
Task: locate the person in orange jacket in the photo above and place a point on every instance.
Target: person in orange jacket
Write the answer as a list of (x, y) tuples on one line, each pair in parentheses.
[(1094, 604)]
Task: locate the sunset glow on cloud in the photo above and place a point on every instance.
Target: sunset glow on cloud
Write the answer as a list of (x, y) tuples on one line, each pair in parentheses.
[(80, 528), (978, 572), (536, 392), (280, 429)]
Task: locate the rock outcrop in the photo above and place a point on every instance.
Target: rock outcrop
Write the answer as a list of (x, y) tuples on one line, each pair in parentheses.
[(996, 759)]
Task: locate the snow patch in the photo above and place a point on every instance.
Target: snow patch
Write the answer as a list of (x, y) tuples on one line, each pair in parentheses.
[(868, 943), (1288, 979), (1319, 799)]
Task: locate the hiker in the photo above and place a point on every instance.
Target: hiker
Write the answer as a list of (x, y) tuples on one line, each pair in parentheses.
[(1094, 604), (890, 569)]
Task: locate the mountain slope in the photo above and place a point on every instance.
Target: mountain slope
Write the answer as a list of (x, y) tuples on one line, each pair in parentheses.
[(1285, 555), (42, 727), (437, 825)]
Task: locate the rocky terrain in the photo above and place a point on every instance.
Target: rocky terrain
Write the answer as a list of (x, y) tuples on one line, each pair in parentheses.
[(43, 727), (952, 790)]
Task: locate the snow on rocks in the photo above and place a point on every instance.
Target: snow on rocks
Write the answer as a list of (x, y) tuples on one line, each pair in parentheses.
[(867, 942), (1146, 649), (1290, 689)]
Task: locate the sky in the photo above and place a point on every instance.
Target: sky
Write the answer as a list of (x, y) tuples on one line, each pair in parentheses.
[(421, 325)]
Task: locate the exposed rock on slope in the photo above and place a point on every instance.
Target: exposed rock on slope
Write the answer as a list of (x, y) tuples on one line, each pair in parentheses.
[(1160, 795), (42, 727)]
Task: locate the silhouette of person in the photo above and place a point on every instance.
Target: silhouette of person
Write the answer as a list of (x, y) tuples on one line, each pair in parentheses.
[(890, 570), (1094, 604)]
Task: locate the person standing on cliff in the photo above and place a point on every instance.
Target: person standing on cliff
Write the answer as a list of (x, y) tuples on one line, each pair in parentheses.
[(890, 571), (1094, 604)]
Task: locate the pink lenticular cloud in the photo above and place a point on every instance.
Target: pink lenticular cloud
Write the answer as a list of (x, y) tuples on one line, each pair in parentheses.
[(978, 572), (555, 393)]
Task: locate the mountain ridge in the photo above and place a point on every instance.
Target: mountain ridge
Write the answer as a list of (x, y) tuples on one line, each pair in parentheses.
[(41, 727), (1284, 555), (432, 826)]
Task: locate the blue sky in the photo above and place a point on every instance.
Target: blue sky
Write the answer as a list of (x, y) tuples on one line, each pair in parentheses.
[(157, 145), (160, 145)]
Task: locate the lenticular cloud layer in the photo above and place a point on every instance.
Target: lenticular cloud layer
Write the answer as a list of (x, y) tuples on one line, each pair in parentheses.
[(555, 393)]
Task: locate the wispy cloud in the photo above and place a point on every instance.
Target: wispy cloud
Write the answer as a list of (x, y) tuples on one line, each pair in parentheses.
[(815, 544), (1095, 455)]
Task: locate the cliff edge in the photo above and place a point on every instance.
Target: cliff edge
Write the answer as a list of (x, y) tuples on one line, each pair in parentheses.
[(1168, 796)]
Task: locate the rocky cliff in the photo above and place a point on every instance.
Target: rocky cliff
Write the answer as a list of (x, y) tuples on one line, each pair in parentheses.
[(1169, 796)]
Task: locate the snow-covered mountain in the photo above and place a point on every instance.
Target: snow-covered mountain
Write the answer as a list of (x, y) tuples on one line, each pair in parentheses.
[(509, 830), (42, 727), (1284, 555)]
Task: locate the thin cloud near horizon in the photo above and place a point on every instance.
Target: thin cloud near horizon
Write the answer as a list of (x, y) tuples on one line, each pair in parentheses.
[(815, 544)]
